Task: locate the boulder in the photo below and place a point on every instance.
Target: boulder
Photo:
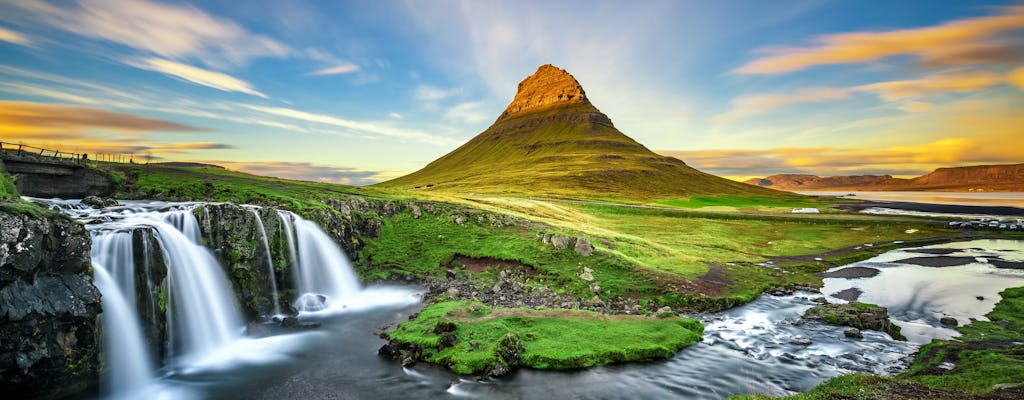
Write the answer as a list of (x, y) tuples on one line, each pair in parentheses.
[(99, 202), (948, 321), (583, 247), (853, 333), (856, 315), (562, 242)]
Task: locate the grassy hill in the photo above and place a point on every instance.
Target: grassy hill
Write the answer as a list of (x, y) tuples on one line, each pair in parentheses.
[(564, 149)]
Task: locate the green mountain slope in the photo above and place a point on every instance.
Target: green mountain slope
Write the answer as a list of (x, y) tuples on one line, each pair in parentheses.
[(552, 142)]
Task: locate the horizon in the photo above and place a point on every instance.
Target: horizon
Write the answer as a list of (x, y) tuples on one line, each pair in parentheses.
[(320, 92)]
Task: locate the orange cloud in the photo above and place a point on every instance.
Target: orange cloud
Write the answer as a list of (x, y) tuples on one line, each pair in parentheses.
[(346, 68), (949, 81), (55, 121), (958, 42), (1017, 78)]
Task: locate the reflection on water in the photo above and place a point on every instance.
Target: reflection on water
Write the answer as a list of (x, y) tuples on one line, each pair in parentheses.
[(1009, 199), (918, 295)]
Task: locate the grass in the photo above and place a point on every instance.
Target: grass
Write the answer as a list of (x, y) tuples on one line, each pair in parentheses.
[(218, 184), (554, 339), (11, 202), (987, 352)]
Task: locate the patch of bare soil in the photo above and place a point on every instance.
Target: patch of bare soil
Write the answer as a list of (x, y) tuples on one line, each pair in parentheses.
[(479, 264)]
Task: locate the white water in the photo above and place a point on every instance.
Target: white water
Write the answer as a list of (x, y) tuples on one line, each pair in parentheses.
[(322, 269), (270, 261), (201, 306), (129, 368)]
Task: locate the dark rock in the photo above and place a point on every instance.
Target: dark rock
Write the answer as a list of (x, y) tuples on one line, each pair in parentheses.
[(49, 308), (851, 294), (448, 339), (853, 333), (856, 315), (851, 273), (445, 327), (948, 321), (980, 298), (820, 300), (99, 202)]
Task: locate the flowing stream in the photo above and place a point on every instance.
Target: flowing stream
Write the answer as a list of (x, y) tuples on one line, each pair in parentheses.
[(761, 347)]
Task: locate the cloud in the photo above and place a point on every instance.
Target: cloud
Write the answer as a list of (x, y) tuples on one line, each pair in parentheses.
[(37, 119), (358, 126), (172, 31), (197, 75), (305, 171), (958, 42), (433, 93), (470, 113), (1016, 78), (749, 105), (949, 81), (916, 106), (9, 36), (395, 115), (337, 70)]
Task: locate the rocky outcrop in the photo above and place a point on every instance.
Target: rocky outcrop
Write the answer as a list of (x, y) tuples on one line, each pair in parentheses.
[(99, 202), (856, 315), (234, 234), (549, 86), (49, 342), (814, 182)]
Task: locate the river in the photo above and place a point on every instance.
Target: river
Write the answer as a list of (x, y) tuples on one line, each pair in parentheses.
[(761, 347)]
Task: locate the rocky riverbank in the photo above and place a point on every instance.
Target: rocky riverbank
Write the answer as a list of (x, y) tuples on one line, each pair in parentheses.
[(49, 308)]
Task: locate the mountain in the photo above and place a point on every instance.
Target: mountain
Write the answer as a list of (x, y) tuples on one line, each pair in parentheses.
[(1001, 178), (551, 141)]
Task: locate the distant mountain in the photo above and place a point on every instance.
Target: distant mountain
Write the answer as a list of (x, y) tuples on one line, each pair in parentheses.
[(1000, 178), (551, 141)]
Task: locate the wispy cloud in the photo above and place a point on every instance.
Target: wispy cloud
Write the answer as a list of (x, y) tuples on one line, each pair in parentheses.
[(749, 105), (346, 68), (371, 128), (433, 93), (958, 42), (9, 36), (172, 31), (197, 75), (948, 81), (1016, 78), (470, 112)]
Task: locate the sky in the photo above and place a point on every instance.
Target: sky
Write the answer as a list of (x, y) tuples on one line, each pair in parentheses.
[(358, 92)]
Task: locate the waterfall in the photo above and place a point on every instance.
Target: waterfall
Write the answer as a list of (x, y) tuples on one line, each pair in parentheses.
[(128, 365), (325, 278), (201, 306), (270, 261)]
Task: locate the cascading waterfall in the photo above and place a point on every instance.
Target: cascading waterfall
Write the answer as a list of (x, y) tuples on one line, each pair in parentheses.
[(129, 368), (201, 307), (325, 278), (134, 245), (270, 261)]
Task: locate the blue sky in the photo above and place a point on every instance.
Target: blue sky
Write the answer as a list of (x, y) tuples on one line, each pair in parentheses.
[(358, 92)]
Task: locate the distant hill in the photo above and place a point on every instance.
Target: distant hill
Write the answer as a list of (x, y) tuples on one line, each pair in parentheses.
[(179, 164), (990, 178), (551, 141)]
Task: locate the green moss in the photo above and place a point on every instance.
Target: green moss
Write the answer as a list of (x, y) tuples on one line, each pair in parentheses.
[(555, 339)]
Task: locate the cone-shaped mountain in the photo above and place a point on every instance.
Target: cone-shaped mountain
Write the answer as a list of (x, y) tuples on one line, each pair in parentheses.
[(551, 141)]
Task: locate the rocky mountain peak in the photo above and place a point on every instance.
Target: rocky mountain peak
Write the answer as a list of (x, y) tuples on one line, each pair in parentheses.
[(549, 86)]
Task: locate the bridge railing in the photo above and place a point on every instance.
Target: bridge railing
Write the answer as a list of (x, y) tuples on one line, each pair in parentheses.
[(32, 152), (24, 151)]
